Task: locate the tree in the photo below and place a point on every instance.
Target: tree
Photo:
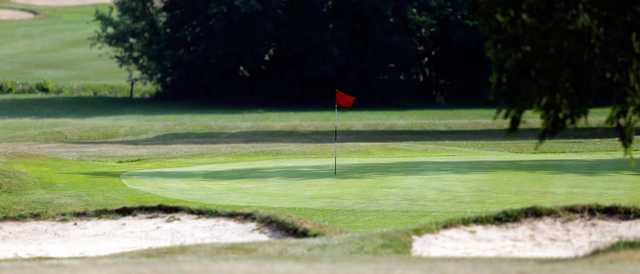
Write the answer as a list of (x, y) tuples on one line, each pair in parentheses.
[(284, 51), (562, 58)]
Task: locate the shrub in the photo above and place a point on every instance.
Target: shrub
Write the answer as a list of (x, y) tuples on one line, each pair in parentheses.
[(49, 87), (8, 87), (44, 86)]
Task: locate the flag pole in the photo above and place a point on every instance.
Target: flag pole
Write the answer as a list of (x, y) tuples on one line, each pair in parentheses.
[(335, 145)]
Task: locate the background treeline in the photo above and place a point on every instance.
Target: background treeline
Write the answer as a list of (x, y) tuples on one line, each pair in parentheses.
[(562, 58), (286, 52)]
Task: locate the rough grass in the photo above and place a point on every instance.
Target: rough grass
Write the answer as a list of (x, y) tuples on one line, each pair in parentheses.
[(320, 265), (624, 246)]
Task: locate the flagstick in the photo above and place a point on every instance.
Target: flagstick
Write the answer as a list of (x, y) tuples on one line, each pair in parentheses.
[(335, 146)]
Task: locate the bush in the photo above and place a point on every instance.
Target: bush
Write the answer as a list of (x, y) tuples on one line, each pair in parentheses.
[(8, 87), (15, 87), (49, 87), (45, 86)]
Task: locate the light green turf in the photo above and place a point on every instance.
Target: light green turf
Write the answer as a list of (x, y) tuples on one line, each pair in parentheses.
[(55, 46), (454, 184), (459, 185)]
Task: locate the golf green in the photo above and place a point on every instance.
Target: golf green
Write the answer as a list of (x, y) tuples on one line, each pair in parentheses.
[(472, 184)]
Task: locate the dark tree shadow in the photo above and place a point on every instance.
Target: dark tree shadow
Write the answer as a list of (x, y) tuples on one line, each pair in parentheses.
[(90, 107), (101, 174), (358, 136), (599, 167)]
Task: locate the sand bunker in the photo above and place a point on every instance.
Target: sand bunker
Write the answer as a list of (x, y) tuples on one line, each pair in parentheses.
[(539, 238), (94, 237), (15, 15), (60, 3)]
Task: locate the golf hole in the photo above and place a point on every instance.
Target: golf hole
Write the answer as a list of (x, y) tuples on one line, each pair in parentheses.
[(8, 14), (62, 3), (95, 237), (532, 238)]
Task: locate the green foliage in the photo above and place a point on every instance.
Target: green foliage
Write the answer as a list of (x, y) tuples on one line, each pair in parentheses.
[(48, 87), (291, 51), (45, 86), (8, 87), (15, 87), (563, 57)]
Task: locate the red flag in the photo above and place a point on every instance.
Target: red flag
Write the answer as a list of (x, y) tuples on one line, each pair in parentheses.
[(344, 100)]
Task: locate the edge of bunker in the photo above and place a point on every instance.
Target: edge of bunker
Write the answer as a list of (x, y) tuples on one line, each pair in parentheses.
[(290, 227)]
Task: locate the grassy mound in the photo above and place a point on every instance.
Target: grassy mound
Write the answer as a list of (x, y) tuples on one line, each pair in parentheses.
[(431, 188)]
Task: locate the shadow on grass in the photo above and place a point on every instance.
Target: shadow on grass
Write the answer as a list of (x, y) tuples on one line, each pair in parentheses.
[(357, 136), (86, 107), (36, 106), (101, 174), (415, 168)]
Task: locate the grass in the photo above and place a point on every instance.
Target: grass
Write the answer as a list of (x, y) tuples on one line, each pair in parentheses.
[(322, 265), (385, 190), (55, 46), (623, 246), (433, 188), (401, 171), (41, 118), (230, 159), (10, 179)]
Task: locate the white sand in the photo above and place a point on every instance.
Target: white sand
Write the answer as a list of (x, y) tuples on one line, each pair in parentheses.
[(15, 15), (542, 238), (59, 3), (94, 237)]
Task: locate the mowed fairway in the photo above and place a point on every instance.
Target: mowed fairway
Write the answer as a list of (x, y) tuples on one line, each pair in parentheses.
[(55, 46)]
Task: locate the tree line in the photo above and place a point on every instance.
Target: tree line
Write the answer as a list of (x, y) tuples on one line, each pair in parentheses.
[(560, 58), (287, 53)]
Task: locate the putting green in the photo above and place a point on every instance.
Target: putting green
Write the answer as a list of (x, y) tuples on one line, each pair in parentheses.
[(457, 184)]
